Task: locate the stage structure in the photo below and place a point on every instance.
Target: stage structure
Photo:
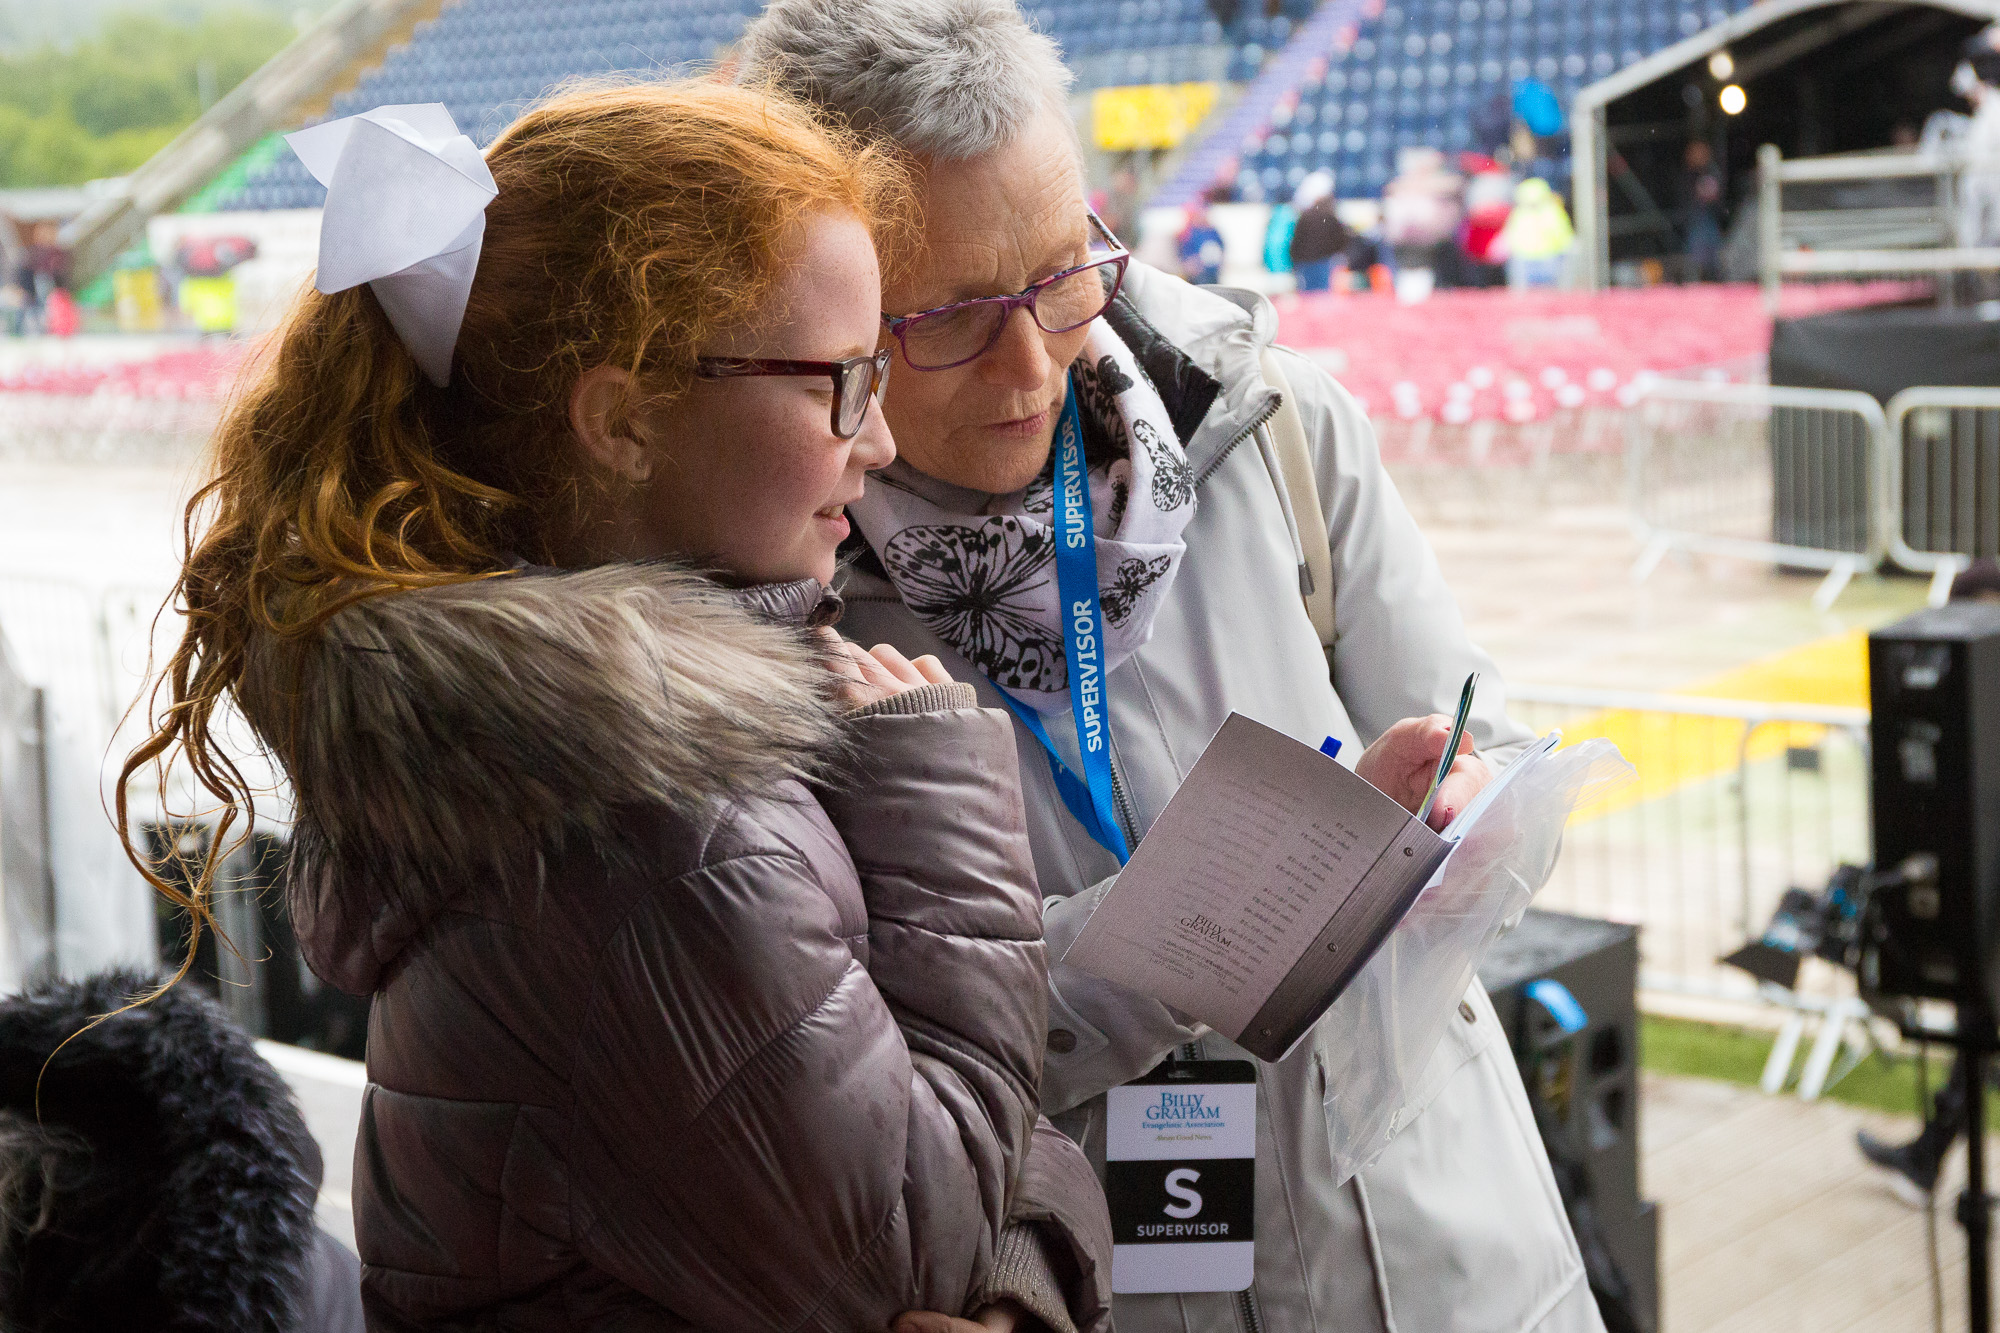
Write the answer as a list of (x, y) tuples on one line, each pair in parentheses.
[(1879, 214), (1810, 77)]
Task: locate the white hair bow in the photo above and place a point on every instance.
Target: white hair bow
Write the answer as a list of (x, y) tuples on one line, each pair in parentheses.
[(406, 198)]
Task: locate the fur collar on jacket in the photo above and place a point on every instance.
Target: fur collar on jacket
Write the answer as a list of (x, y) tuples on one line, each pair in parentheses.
[(170, 1181), (448, 737)]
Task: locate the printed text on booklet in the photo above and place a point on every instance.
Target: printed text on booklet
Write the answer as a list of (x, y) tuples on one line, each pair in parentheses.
[(1264, 886)]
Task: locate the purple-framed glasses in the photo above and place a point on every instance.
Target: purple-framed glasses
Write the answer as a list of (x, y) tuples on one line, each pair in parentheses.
[(855, 380), (963, 331)]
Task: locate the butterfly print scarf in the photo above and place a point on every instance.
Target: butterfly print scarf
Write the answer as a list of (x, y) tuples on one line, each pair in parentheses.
[(980, 570)]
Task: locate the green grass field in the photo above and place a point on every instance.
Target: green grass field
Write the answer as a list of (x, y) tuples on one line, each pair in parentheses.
[(1736, 1055)]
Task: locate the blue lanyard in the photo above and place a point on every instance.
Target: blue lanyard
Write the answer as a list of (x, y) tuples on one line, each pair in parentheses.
[(1088, 798)]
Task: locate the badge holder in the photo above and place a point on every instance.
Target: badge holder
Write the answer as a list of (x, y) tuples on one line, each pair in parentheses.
[(1180, 1176)]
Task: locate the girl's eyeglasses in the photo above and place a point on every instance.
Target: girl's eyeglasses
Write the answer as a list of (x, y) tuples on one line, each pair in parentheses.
[(856, 381), (963, 331)]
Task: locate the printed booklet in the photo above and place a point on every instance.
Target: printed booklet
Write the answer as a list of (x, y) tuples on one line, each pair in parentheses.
[(1267, 883)]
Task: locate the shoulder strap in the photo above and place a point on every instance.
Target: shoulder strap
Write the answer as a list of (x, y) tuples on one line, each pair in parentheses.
[(1288, 436)]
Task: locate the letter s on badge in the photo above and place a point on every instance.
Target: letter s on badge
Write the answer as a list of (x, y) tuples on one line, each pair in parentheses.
[(1178, 1185)]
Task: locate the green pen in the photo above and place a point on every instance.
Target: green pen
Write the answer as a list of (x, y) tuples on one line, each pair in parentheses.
[(1450, 745)]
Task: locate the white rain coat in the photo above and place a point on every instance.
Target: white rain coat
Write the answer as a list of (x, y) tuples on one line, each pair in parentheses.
[(1457, 1227)]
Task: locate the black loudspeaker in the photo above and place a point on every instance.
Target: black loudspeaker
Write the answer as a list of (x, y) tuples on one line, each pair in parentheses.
[(1566, 990), (1934, 682), (262, 981)]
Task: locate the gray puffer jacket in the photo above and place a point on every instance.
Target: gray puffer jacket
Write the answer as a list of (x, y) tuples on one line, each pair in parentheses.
[(665, 1037)]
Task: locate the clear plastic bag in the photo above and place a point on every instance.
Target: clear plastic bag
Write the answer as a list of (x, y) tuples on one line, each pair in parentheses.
[(1381, 1033)]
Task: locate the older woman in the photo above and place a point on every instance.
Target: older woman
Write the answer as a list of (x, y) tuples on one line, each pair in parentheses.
[(1015, 338)]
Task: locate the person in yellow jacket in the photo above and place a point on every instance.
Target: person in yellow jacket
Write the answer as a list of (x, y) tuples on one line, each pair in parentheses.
[(1537, 237)]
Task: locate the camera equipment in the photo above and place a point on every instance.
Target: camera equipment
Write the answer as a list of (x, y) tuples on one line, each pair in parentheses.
[(1824, 925), (1931, 925)]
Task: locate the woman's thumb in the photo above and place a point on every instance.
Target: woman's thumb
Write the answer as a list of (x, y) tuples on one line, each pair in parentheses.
[(926, 1321)]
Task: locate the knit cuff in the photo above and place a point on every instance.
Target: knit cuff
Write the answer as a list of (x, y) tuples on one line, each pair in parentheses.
[(1023, 1273), (941, 698)]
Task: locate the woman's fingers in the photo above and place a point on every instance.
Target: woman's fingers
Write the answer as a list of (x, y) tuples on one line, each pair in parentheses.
[(1469, 775), (897, 665), (840, 657), (1000, 1317), (872, 674), (1405, 757), (932, 670), (863, 680)]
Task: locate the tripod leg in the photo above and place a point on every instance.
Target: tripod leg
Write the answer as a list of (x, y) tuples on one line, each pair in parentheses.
[(1973, 1212)]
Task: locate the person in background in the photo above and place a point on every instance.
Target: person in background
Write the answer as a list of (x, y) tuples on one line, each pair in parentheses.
[(709, 988), (1278, 236), (1121, 203), (155, 1172), (1537, 237), (1489, 198), (1200, 246), (1701, 187), (1979, 206), (1320, 240), (1012, 329), (46, 270), (1421, 210)]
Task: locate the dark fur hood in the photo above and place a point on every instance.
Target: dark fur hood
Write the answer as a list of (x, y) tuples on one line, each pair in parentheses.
[(170, 1181), (449, 737)]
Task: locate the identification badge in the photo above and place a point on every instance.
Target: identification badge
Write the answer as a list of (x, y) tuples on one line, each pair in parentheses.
[(1180, 1156)]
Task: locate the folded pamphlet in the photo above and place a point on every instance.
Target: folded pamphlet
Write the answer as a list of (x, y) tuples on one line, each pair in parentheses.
[(1267, 883)]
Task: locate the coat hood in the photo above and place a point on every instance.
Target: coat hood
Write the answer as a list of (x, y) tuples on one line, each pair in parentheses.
[(1201, 346), (169, 1182), (448, 737)]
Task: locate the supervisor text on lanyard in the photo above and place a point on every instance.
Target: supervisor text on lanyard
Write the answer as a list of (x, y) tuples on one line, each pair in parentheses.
[(1088, 798)]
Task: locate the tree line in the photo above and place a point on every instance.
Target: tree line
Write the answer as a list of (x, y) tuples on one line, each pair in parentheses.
[(102, 105)]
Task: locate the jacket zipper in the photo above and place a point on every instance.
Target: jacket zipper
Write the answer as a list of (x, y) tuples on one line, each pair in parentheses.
[(1121, 807), (1268, 411), (1247, 1311)]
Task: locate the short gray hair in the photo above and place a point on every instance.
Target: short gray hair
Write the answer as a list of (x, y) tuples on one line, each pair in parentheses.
[(947, 79)]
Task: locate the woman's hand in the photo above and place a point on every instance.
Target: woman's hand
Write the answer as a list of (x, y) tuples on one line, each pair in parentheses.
[(1403, 759), (1000, 1317), (870, 675)]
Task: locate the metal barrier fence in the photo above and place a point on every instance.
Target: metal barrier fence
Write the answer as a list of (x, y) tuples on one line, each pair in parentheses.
[(1942, 480), (87, 646), (103, 428), (1736, 802), (27, 882), (1789, 476)]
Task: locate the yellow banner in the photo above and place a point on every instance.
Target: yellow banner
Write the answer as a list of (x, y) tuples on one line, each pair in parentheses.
[(1153, 115)]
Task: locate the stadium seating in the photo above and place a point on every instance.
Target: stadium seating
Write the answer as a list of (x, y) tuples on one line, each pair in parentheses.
[(486, 59), (1114, 42), (1418, 73)]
